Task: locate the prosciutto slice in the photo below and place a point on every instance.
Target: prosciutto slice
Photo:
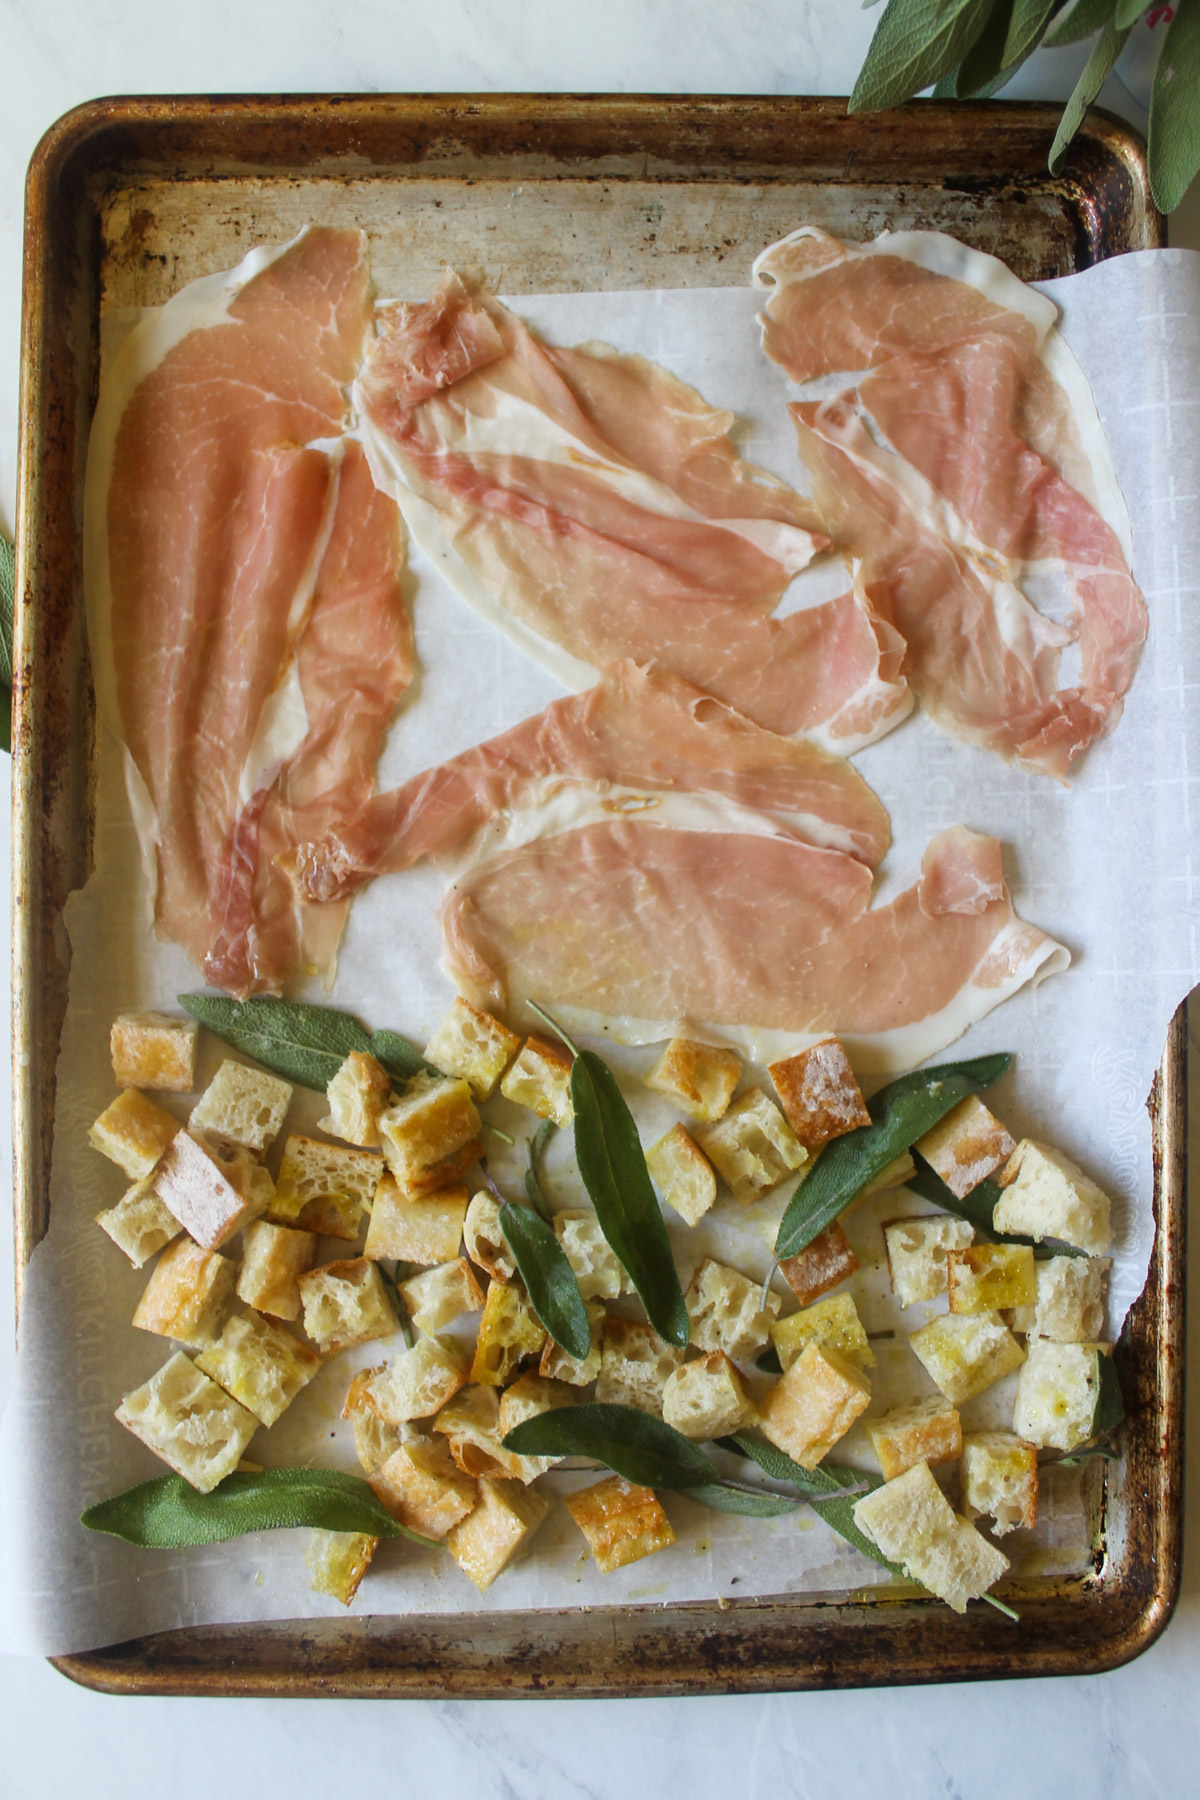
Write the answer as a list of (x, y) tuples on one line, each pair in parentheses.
[(959, 461), (592, 506), (245, 576)]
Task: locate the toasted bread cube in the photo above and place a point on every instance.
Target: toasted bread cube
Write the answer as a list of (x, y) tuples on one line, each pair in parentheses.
[(424, 1231), (153, 1050), (820, 1096), (634, 1365), (261, 1365), (242, 1106), (426, 1125), (357, 1095), (621, 1522), (438, 1296), (484, 1239), (188, 1294), (913, 1523), (474, 1046), (824, 1263), (753, 1147), (419, 1382), (916, 1252), (814, 1404), (682, 1174), (273, 1259), (421, 1485), (1056, 1394), (525, 1399), (1000, 1480), (139, 1224), (966, 1352), (133, 1132), (337, 1562), (832, 1324), (1046, 1195), (700, 1077), (504, 1520), (725, 1311), (558, 1364), (345, 1303), (966, 1146), (990, 1278), (324, 1187), (930, 1431), (706, 1398), (374, 1439), (1070, 1300), (470, 1423), (245, 1172), (598, 1270), (190, 1422), (509, 1331), (540, 1079), (190, 1184)]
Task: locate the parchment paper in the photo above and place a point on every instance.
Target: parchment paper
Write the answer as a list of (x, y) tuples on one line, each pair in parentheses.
[(1107, 865)]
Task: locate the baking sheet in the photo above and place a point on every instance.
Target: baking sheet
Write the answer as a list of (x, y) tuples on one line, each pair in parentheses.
[(1105, 866)]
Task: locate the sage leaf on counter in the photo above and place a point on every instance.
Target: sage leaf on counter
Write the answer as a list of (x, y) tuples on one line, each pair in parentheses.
[(533, 1174), (304, 1044), (169, 1514), (915, 43), (7, 599), (900, 1113), (549, 1278), (977, 1208)]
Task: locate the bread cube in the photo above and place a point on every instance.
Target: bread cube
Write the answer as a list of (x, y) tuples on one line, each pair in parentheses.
[(1069, 1306), (273, 1259), (474, 1046), (419, 1382), (190, 1185), (814, 1404), (245, 1172), (929, 1431), (966, 1146), (525, 1399), (324, 1187), (598, 1270), (1000, 1480), (820, 1266), (337, 1562), (242, 1106), (820, 1097), (357, 1095), (913, 1523), (470, 1423), (261, 1365), (725, 1311), (706, 1398), (424, 1231), (438, 1296), (139, 1224), (558, 1364), (753, 1147), (540, 1079), (634, 1365), (509, 1331), (153, 1050), (916, 1253), (421, 1485), (190, 1422), (133, 1132), (699, 1077), (990, 1278), (188, 1294), (374, 1439), (345, 1303), (621, 1522), (832, 1324), (682, 1174), (425, 1126), (484, 1240), (1046, 1195), (1057, 1391), (966, 1352), (502, 1523)]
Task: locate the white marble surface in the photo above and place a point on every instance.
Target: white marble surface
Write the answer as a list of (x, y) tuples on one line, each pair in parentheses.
[(1135, 1731)]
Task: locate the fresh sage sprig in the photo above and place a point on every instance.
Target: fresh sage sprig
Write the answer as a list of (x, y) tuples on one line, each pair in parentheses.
[(549, 1278), (305, 1044), (900, 1113), (533, 1174), (168, 1514), (391, 1283), (7, 595), (977, 1208)]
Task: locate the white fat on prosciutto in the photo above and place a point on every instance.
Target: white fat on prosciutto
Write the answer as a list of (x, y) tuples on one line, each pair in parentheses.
[(591, 506), (243, 580), (955, 454), (646, 862)]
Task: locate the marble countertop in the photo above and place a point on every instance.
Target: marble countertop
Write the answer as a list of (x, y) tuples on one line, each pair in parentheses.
[(1134, 1731)]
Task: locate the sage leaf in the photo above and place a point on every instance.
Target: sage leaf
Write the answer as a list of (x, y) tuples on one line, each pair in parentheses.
[(1110, 1402), (977, 1208), (8, 577), (549, 1278), (1029, 21), (825, 1489), (305, 1044), (391, 1284), (915, 43), (739, 1497), (398, 1056), (984, 61), (169, 1514), (1084, 19), (769, 1361), (1075, 1459), (537, 1149), (1175, 110), (636, 1445), (1128, 13), (900, 1113), (1096, 70)]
